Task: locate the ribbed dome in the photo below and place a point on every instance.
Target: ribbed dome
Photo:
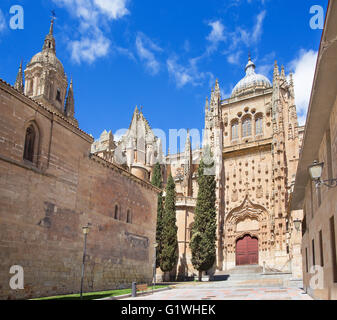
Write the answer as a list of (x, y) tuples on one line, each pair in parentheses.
[(47, 57), (252, 81)]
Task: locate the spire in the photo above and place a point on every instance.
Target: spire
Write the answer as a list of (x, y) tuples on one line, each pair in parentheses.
[(276, 70), (250, 67), (51, 29), (276, 92), (291, 85), (283, 75), (217, 87), (188, 142), (49, 41), (19, 80), (207, 105), (70, 102)]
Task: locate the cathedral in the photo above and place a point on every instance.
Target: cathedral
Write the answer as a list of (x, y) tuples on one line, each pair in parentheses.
[(255, 138), (55, 179)]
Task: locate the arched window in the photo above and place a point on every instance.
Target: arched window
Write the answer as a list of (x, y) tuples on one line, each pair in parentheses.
[(128, 216), (191, 230), (247, 127), (235, 129), (30, 143), (258, 126), (58, 95), (116, 212)]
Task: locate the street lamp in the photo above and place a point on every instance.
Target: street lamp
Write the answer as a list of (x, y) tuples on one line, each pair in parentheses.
[(297, 224), (315, 171), (154, 265), (85, 231)]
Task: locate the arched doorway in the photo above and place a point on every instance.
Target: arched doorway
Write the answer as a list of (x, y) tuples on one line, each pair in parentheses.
[(247, 251)]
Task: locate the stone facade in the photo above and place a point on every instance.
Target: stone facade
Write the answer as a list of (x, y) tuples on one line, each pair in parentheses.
[(255, 138), (51, 185), (318, 203)]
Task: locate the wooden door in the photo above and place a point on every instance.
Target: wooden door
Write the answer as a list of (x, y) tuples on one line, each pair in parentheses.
[(247, 251)]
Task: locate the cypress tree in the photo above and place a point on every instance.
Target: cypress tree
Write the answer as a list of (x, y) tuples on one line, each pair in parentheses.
[(157, 181), (169, 254), (203, 241)]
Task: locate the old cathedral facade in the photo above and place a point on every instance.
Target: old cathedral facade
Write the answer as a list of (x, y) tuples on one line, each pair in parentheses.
[(255, 138), (48, 193)]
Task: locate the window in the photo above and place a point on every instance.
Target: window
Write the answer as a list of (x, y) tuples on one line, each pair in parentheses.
[(258, 126), (306, 260), (304, 224), (128, 217), (58, 95), (116, 212), (235, 130), (30, 142), (333, 248), (321, 248), (246, 127), (329, 154), (319, 196), (313, 253), (312, 199)]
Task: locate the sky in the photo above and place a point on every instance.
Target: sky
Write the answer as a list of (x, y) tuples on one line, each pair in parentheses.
[(162, 55)]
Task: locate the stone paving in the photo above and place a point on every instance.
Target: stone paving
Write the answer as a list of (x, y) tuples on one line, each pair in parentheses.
[(216, 293)]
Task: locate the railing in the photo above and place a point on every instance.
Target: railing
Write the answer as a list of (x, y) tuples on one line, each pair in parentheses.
[(186, 201)]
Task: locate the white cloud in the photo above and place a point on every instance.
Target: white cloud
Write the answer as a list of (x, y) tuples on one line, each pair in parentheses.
[(89, 49), (93, 17), (239, 39), (246, 37), (145, 49), (257, 32), (189, 74), (113, 8), (304, 71), (2, 21), (234, 58), (216, 35)]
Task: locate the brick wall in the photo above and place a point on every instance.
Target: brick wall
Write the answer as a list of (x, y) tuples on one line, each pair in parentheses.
[(43, 207)]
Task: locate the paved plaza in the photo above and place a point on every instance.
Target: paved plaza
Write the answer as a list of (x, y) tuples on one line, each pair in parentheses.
[(215, 292)]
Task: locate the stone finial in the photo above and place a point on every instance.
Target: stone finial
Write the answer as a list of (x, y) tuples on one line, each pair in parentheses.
[(49, 41), (70, 102), (283, 75), (19, 80), (276, 69)]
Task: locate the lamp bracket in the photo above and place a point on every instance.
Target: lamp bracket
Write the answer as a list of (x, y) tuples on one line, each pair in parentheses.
[(330, 183)]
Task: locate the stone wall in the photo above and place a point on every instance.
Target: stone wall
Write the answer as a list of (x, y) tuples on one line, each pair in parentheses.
[(318, 213), (44, 205)]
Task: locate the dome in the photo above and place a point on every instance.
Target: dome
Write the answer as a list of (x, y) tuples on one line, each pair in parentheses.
[(47, 57), (252, 81)]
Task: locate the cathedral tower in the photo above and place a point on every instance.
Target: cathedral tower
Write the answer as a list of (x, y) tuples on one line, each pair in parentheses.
[(45, 80)]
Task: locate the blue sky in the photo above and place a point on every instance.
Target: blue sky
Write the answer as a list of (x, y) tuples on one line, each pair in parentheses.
[(162, 55)]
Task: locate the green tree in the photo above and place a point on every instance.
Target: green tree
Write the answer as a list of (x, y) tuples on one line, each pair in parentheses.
[(203, 241), (157, 181), (169, 254)]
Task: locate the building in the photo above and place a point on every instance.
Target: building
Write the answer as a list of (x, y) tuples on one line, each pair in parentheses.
[(318, 201), (255, 138), (51, 186)]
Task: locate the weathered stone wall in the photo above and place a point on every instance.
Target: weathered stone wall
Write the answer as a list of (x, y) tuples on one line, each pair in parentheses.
[(318, 214), (43, 207)]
